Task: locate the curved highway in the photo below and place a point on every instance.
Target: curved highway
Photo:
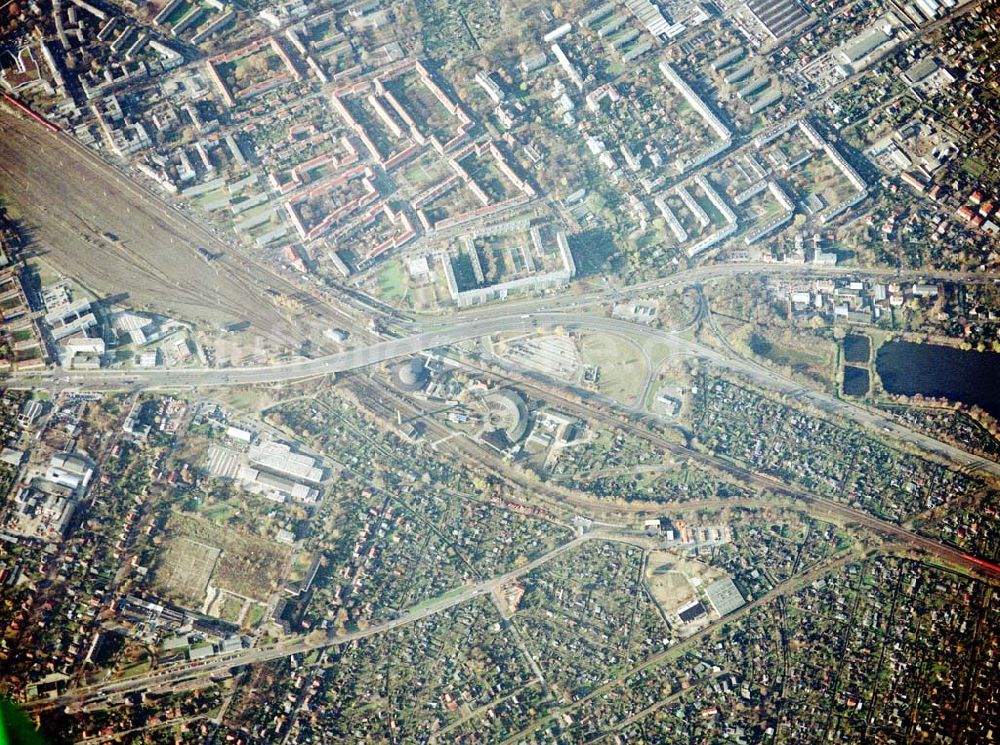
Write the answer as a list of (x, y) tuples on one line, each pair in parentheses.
[(466, 330)]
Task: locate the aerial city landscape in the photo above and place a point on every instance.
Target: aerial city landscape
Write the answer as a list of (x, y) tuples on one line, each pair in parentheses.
[(467, 371)]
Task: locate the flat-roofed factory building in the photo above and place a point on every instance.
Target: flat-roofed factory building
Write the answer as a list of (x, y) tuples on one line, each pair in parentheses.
[(279, 458), (724, 596), (779, 17)]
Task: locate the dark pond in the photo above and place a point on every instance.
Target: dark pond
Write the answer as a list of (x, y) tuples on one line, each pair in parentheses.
[(855, 381), (936, 371), (857, 348)]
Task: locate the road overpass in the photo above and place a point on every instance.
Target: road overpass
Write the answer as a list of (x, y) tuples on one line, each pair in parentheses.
[(465, 330), (454, 333)]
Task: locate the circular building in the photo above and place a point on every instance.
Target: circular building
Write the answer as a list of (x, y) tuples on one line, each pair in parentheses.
[(411, 375), (508, 413)]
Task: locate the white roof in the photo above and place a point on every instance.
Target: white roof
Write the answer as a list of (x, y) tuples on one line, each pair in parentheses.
[(239, 434), (278, 457)]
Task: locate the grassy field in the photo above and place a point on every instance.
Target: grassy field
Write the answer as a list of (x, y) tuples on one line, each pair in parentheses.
[(254, 616), (218, 512), (812, 355), (392, 282), (974, 167), (622, 367), (202, 201), (656, 350), (230, 609), (425, 171), (670, 589), (45, 273)]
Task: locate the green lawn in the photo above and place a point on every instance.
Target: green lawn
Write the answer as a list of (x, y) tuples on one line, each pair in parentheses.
[(218, 512), (623, 368), (974, 167), (179, 12), (392, 281), (254, 615)]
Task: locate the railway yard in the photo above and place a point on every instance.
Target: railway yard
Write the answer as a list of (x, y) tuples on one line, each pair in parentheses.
[(118, 240), (417, 371)]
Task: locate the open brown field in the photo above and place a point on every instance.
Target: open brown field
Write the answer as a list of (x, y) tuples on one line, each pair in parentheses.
[(247, 565), (184, 570), (673, 580), (90, 222)]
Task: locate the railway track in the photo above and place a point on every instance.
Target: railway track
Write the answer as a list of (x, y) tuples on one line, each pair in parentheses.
[(155, 253), (763, 482)]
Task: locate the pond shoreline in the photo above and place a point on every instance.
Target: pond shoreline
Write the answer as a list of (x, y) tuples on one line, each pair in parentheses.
[(937, 371)]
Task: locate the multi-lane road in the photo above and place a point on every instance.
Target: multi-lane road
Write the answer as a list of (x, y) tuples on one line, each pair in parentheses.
[(351, 359), (703, 274), (429, 333), (474, 328), (443, 335)]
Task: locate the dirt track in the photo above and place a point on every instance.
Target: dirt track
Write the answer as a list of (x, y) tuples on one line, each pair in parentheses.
[(67, 200)]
